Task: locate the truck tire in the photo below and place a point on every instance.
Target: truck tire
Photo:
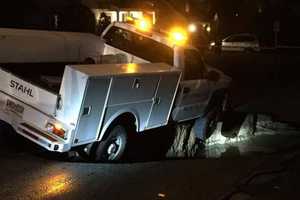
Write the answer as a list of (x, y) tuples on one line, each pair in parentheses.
[(215, 115), (211, 123), (112, 148)]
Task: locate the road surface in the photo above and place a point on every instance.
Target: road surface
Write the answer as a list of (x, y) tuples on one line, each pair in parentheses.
[(262, 167)]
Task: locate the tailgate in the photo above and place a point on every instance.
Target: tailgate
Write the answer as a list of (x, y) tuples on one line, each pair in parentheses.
[(28, 93)]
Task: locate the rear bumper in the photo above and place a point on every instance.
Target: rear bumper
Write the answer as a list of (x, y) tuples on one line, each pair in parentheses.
[(42, 138), (30, 123)]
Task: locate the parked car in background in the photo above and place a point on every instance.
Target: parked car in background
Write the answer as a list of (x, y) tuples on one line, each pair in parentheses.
[(238, 42)]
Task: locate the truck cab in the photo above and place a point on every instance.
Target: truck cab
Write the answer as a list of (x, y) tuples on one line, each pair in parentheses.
[(199, 81)]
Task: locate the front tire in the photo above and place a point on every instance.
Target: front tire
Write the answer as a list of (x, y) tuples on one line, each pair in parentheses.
[(215, 115), (112, 148), (211, 123)]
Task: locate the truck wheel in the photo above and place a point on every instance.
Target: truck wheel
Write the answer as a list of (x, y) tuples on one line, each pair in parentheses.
[(113, 147), (216, 115), (211, 123)]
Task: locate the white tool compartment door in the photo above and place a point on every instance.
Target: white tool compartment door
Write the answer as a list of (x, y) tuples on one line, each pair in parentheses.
[(163, 101), (92, 110), (133, 94)]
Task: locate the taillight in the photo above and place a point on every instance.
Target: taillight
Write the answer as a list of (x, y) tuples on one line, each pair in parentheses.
[(56, 129)]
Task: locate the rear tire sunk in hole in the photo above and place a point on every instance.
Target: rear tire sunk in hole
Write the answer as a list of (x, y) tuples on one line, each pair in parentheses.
[(112, 148)]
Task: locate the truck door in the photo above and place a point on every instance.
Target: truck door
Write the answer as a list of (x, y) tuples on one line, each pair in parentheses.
[(194, 90)]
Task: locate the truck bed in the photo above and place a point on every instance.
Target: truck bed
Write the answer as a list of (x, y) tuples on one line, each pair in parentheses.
[(46, 76)]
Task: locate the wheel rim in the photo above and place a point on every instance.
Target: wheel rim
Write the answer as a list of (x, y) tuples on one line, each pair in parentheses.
[(114, 148)]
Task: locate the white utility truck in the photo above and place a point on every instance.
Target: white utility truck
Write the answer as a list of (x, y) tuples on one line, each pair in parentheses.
[(93, 107)]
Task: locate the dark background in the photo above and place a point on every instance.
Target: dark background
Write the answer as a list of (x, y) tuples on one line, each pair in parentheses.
[(233, 16), (37, 14)]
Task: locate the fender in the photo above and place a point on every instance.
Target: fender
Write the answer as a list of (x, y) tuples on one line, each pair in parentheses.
[(114, 117)]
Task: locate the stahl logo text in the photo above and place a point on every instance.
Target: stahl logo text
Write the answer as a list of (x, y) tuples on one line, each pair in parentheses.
[(21, 88)]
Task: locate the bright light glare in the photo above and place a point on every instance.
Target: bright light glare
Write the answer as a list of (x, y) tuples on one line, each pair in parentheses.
[(130, 68), (58, 126), (192, 28), (178, 36), (56, 129), (143, 24), (208, 29), (218, 139), (57, 184), (161, 195), (212, 44), (129, 19)]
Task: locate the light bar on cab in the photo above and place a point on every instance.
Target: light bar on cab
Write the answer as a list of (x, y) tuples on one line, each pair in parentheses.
[(143, 24), (178, 36)]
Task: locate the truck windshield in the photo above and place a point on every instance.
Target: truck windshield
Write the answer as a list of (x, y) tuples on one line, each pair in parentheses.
[(194, 66)]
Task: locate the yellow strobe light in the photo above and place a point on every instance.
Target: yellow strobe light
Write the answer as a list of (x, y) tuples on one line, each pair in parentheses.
[(143, 24), (129, 19), (130, 68), (178, 36)]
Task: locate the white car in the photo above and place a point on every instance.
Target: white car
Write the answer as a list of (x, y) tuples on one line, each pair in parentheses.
[(240, 42)]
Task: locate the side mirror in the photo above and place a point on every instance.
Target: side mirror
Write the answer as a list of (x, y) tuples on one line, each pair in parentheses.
[(213, 76)]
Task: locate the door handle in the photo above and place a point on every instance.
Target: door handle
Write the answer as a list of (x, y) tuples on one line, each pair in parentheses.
[(136, 83), (156, 100), (86, 110)]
